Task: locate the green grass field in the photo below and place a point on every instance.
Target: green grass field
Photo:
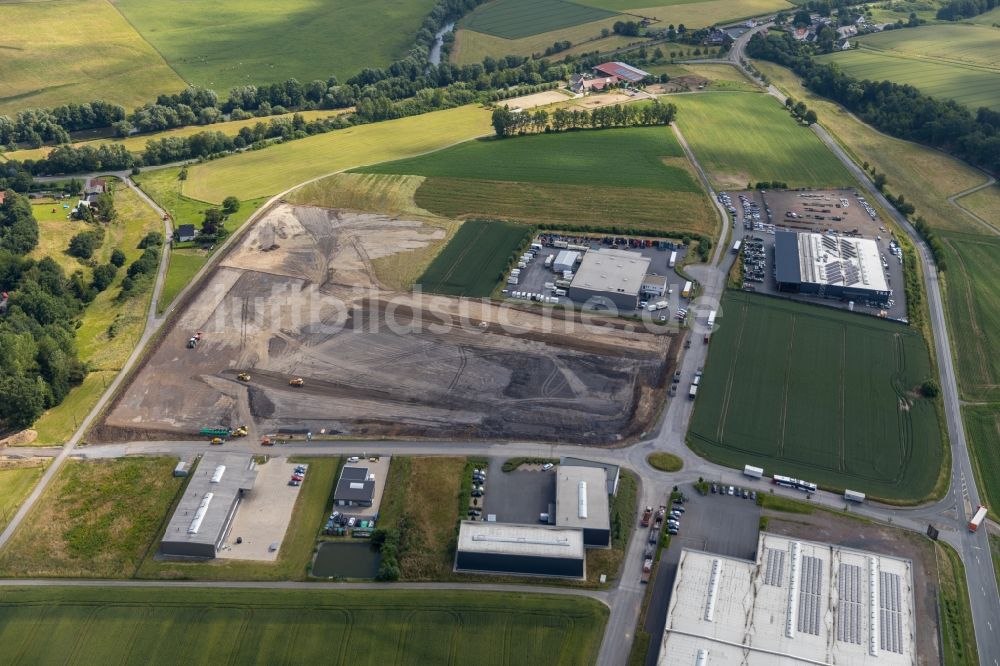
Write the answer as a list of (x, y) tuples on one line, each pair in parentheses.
[(973, 298), (15, 484), (982, 426), (634, 178), (226, 43), (211, 626), (629, 157), (76, 51), (96, 519), (513, 19), (820, 394), (471, 263), (964, 75), (260, 173), (747, 137)]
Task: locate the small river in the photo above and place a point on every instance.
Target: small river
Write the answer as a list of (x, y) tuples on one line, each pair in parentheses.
[(435, 55)]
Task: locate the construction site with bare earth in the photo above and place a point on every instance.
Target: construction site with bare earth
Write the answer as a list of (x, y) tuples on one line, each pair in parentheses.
[(293, 331)]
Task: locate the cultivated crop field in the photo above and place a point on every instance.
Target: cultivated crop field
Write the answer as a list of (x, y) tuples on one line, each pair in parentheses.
[(631, 178), (226, 43), (973, 298), (512, 19), (982, 424), (820, 394), (748, 137), (261, 173), (202, 626), (470, 265), (966, 83), (76, 51)]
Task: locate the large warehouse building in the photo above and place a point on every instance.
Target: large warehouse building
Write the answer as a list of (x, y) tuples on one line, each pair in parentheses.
[(829, 266), (534, 550), (582, 502), (205, 513), (607, 276), (801, 602)]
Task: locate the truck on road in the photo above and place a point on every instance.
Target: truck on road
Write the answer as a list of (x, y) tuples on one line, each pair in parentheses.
[(693, 392), (854, 496), (753, 472), (673, 259), (686, 292), (646, 516), (978, 518), (647, 569)]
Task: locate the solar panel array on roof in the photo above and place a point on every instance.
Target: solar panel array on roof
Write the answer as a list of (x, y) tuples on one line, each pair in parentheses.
[(810, 587), (849, 608), (847, 248), (774, 567), (829, 243), (891, 616)]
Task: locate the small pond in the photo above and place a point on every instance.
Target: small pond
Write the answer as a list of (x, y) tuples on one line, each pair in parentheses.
[(346, 559)]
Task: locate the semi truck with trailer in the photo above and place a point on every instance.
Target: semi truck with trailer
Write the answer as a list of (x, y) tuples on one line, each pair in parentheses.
[(977, 518)]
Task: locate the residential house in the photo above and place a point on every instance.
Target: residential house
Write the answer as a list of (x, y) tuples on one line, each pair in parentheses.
[(185, 232)]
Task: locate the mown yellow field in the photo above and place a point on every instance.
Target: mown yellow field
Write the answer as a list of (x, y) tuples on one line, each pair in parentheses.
[(64, 51), (137, 143), (266, 172), (926, 177), (704, 14)]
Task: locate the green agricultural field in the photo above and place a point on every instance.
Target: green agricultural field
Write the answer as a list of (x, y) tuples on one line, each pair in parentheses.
[(973, 298), (15, 484), (982, 426), (221, 44), (260, 173), (629, 157), (745, 137), (211, 626), (693, 13), (971, 85), (644, 180), (513, 19), (820, 394), (948, 42), (76, 51), (471, 263)]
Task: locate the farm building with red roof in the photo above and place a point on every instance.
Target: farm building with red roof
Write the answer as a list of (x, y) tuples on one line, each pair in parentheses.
[(621, 70)]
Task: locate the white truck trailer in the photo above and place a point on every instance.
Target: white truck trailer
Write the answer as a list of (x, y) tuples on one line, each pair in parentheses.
[(753, 472), (854, 496)]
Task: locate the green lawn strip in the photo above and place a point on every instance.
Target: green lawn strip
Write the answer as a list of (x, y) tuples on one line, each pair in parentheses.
[(202, 626), (15, 484), (995, 552), (634, 157), (821, 394), (778, 503), (296, 550), (665, 462), (742, 138), (95, 519), (957, 631), (184, 264), (514, 19), (982, 423)]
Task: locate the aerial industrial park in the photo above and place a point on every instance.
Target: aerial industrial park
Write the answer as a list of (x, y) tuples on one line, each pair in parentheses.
[(514, 331)]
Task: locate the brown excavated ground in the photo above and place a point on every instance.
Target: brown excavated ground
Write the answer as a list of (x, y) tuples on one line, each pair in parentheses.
[(297, 297)]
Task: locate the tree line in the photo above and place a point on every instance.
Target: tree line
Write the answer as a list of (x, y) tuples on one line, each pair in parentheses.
[(510, 123), (899, 110), (956, 10)]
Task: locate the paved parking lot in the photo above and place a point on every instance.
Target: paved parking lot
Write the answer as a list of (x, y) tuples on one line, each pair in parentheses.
[(264, 514), (533, 278), (714, 524), (854, 217), (518, 496)]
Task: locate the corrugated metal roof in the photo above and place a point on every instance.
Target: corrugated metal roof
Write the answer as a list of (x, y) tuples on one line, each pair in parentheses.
[(622, 71), (786, 257)]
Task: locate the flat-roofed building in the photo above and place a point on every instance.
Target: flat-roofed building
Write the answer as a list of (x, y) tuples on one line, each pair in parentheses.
[(205, 513), (528, 550), (606, 276), (355, 487), (612, 471), (829, 266), (800, 602), (582, 502)]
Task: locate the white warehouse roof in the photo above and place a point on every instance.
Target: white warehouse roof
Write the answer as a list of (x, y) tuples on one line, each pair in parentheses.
[(591, 509), (839, 260), (619, 271), (801, 602), (529, 540)]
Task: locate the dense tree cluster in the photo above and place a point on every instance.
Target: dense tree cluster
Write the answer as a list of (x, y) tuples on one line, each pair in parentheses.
[(956, 10), (141, 271), (38, 359), (899, 110), (37, 126), (510, 123)]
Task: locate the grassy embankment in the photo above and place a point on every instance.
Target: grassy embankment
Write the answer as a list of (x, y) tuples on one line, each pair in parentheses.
[(665, 462), (202, 626), (15, 484), (109, 328)]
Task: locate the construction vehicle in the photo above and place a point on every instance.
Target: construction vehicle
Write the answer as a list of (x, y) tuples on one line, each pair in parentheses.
[(646, 516), (266, 441), (216, 432), (296, 381), (978, 518), (240, 432), (194, 340), (243, 376), (217, 441), (647, 569)]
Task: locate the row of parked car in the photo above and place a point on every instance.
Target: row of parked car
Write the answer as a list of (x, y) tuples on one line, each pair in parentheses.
[(298, 476), (478, 492), (735, 491), (674, 518)]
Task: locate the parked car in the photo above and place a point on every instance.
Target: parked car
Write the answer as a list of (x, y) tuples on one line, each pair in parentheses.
[(753, 495), (351, 521), (678, 509), (477, 493), (715, 489), (746, 494), (547, 466), (732, 490)]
